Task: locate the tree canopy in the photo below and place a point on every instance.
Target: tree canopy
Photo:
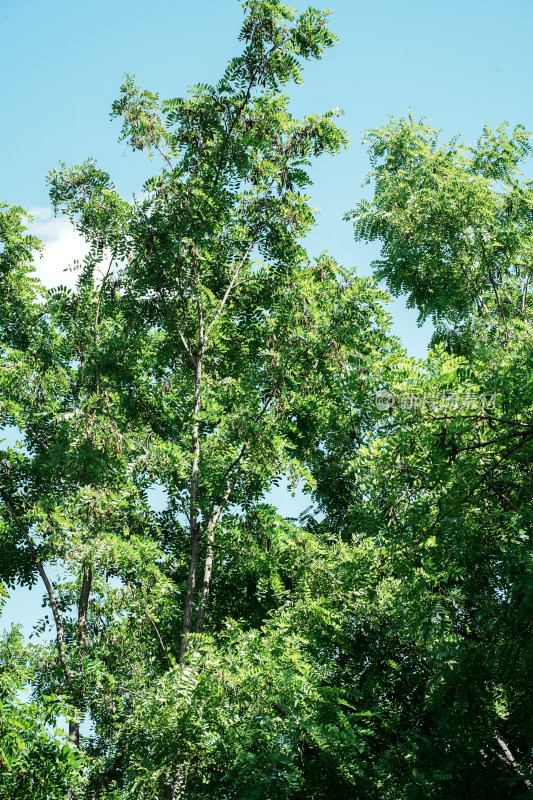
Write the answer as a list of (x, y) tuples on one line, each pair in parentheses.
[(380, 645)]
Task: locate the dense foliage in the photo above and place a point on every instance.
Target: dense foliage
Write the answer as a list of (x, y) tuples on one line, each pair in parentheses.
[(380, 645)]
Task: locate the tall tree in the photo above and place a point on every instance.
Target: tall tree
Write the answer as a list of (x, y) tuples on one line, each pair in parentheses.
[(381, 648), (216, 345), (201, 351), (444, 486)]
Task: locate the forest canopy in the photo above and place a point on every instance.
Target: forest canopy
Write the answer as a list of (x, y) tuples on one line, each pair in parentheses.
[(379, 646)]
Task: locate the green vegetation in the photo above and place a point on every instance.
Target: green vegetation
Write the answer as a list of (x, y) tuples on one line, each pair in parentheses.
[(378, 647)]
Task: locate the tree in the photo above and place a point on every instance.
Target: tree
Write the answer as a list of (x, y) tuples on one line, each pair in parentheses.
[(380, 648), (201, 351), (35, 760), (229, 340), (444, 485)]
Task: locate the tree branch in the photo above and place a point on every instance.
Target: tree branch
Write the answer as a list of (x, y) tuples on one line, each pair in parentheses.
[(209, 558), (60, 634), (241, 263), (511, 760)]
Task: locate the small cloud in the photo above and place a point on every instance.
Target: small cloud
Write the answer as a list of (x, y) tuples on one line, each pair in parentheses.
[(63, 245)]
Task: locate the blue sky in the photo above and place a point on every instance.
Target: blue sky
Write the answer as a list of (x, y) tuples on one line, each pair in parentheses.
[(61, 64)]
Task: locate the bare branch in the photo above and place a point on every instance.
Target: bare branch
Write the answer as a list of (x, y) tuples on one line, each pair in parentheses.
[(209, 558), (104, 777), (240, 265), (184, 341), (524, 292), (163, 648), (83, 605), (511, 760)]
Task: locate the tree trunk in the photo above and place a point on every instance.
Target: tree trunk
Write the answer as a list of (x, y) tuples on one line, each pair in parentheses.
[(208, 569), (193, 516)]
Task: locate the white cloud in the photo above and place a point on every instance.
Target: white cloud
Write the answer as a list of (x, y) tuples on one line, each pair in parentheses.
[(62, 246)]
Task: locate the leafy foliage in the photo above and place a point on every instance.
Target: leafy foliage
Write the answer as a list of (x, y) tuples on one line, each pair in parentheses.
[(380, 645), (36, 759)]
